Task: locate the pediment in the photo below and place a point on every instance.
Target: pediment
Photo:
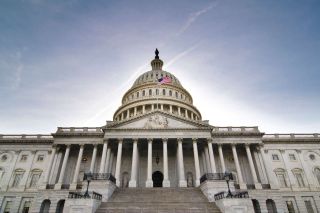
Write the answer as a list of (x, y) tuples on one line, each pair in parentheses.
[(158, 120)]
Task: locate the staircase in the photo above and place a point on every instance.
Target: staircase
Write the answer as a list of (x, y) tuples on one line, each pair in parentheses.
[(158, 200)]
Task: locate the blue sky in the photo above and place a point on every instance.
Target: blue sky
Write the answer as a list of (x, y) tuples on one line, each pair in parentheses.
[(68, 63)]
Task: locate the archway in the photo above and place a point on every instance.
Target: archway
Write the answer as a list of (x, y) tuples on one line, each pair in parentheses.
[(256, 206), (271, 206), (45, 206), (157, 178), (60, 206)]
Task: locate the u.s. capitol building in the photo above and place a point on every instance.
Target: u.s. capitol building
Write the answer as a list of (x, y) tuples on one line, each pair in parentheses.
[(158, 155)]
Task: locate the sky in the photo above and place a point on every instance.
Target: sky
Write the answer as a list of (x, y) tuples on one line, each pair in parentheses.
[(246, 63)]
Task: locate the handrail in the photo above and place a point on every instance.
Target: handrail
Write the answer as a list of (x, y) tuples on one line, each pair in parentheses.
[(215, 176), (238, 194), (79, 195), (100, 176)]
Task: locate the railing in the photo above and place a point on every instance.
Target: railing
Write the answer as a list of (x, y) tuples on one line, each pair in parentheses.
[(266, 186), (251, 186), (91, 195), (239, 194), (290, 136), (65, 186), (236, 129), (50, 186), (79, 130), (215, 176), (100, 176), (24, 136)]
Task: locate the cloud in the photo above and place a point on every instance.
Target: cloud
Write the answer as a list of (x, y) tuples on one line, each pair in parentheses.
[(194, 16)]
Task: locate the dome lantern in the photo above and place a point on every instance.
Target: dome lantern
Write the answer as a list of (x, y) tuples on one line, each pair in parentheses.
[(156, 63)]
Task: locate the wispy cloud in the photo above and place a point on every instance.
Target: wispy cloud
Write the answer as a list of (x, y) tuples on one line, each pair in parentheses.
[(194, 16)]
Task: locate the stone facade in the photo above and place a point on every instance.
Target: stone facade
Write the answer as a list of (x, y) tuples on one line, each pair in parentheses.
[(158, 139)]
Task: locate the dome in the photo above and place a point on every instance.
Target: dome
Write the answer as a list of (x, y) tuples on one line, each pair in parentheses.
[(148, 94)]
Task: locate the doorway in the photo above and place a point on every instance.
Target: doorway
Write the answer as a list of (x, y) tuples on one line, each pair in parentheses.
[(157, 178)]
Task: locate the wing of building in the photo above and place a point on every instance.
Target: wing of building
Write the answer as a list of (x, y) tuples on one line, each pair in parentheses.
[(158, 155)]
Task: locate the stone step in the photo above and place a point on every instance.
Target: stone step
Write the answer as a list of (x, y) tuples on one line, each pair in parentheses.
[(158, 200)]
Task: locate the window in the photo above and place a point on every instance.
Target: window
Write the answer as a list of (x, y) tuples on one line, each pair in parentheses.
[(34, 179), (8, 206), (176, 94), (312, 157), (308, 205), (170, 93), (26, 207), (157, 92), (292, 157), (17, 177), (163, 92), (317, 174), (150, 92), (143, 93), (282, 180), (275, 157), (290, 207), (137, 94), (40, 158), (300, 179), (24, 158), (4, 158)]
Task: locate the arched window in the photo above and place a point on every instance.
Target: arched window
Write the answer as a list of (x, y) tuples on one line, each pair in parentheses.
[(34, 178), (137, 94), (281, 175), (45, 206), (271, 206), (317, 174), (163, 92), (170, 93), (125, 180), (176, 94), (298, 173), (60, 206), (150, 92), (256, 206), (157, 92), (18, 175), (143, 93)]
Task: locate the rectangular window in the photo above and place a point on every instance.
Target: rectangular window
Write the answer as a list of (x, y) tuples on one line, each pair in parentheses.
[(309, 206), (40, 158), (26, 207), (7, 207), (282, 180), (24, 158), (292, 157), (300, 180), (290, 207), (17, 179), (275, 157), (34, 180)]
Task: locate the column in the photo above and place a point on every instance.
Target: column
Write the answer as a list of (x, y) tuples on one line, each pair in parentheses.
[(309, 175), (170, 108), (122, 115), (53, 154), (118, 164), (269, 172), (236, 161), (223, 167), (152, 107), (192, 116), (166, 182), (211, 155), (252, 169), (63, 168), (149, 182), (76, 172), (111, 162), (103, 158), (179, 111), (182, 178), (161, 107), (135, 111), (94, 156), (106, 168), (196, 161), (128, 114), (208, 164), (134, 164), (204, 163), (186, 113), (143, 109)]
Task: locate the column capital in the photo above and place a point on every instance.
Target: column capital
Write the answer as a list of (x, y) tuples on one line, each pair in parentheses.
[(247, 145), (179, 139), (209, 140), (120, 140), (164, 139), (194, 140), (68, 146), (282, 150), (106, 140), (95, 145), (135, 140), (298, 151), (81, 145), (150, 140), (233, 145)]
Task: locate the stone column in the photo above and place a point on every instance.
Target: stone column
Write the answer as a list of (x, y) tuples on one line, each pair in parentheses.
[(143, 109), (196, 161), (161, 107), (211, 155), (63, 168), (122, 115), (203, 156), (269, 172), (309, 175), (206, 153), (128, 114), (239, 173), (135, 111), (46, 179), (103, 158), (252, 169), (110, 167), (192, 116), (223, 167), (134, 164), (149, 182), (152, 107), (106, 168), (166, 182), (170, 108), (94, 156), (118, 164), (182, 178), (179, 111), (76, 172)]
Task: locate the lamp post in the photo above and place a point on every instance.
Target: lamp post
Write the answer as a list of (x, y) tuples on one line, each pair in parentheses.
[(88, 178), (227, 177)]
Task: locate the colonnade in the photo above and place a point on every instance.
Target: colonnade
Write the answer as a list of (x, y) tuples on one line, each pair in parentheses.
[(106, 156)]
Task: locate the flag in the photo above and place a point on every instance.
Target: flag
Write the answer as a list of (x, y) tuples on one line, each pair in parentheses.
[(164, 80)]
